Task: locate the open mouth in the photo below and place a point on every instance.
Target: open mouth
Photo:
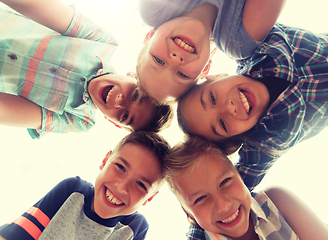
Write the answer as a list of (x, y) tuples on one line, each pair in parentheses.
[(231, 218), (107, 93), (187, 46), (246, 101), (112, 199)]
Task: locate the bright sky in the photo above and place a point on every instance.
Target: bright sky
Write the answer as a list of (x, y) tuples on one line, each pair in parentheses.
[(30, 168)]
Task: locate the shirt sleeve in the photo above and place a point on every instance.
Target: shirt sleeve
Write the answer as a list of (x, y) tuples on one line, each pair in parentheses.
[(254, 164), (155, 13), (63, 123), (30, 225), (82, 27), (196, 233), (140, 227)]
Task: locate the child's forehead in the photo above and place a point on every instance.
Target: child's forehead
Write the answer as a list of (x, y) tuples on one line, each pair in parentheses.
[(138, 153)]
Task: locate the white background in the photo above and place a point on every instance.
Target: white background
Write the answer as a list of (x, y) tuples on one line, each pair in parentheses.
[(30, 168)]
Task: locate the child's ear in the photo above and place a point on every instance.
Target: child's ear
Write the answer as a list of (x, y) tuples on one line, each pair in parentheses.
[(104, 161), (149, 199), (112, 122), (150, 34), (131, 74), (206, 69)]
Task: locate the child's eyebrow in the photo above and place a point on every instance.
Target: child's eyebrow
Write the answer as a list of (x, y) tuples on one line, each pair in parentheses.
[(129, 166), (189, 198), (204, 106), (125, 162), (147, 181), (140, 101), (201, 100), (215, 132)]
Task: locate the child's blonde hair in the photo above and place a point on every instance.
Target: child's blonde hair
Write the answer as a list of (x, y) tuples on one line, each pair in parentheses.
[(185, 156)]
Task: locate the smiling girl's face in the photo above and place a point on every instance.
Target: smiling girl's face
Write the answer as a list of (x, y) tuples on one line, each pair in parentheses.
[(213, 193), (225, 107)]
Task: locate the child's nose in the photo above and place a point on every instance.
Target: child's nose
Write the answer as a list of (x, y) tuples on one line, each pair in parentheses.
[(221, 204), (176, 58), (120, 101), (122, 187), (229, 108)]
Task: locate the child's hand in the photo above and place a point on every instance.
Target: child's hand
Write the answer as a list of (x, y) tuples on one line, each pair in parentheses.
[(216, 76)]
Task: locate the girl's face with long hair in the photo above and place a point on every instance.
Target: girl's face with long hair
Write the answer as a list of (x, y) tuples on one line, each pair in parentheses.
[(226, 107)]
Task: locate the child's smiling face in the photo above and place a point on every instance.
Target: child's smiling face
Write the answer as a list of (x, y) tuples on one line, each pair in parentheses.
[(175, 56), (213, 193), (129, 178), (225, 107), (119, 98)]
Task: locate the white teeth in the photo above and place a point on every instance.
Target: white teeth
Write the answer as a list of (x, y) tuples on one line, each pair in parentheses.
[(109, 94), (184, 44), (244, 101), (231, 218), (112, 199)]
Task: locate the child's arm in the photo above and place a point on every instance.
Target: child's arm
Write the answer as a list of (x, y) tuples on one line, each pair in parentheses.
[(19, 112), (259, 16), (32, 223), (299, 216), (53, 14)]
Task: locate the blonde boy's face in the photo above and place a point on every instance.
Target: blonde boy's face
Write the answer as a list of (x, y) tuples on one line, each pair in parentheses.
[(226, 107), (176, 54), (215, 195), (118, 98), (128, 179)]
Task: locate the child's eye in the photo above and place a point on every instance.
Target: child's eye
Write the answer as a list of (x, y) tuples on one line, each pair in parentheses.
[(212, 98), (223, 125), (142, 185), (121, 167), (158, 60), (135, 95), (224, 181), (125, 116), (180, 74), (199, 199)]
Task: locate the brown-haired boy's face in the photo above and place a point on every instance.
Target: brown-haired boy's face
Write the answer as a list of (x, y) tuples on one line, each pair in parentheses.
[(118, 98), (129, 178)]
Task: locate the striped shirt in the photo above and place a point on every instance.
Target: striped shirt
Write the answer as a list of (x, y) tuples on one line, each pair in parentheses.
[(268, 223), (53, 70), (300, 112), (65, 213)]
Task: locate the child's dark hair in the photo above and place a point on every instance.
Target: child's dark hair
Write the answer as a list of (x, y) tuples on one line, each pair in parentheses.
[(162, 118), (228, 145), (150, 140), (184, 156)]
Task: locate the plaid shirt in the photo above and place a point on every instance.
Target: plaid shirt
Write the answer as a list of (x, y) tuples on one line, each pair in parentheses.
[(300, 112), (268, 223), (53, 70)]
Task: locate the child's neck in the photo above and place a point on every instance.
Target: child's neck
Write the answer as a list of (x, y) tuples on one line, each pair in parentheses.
[(250, 234), (206, 13)]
